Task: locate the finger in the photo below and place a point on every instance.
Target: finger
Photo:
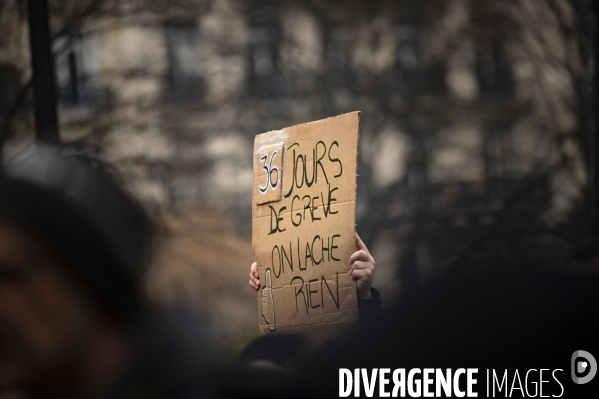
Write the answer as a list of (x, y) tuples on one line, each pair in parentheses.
[(359, 274), (254, 269), (360, 255), (255, 279), (361, 265), (254, 286), (361, 244)]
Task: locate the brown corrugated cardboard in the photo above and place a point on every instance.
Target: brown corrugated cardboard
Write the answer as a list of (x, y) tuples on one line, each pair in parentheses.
[(303, 228)]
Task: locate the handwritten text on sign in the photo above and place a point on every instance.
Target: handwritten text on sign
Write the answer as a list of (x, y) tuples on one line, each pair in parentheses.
[(304, 224)]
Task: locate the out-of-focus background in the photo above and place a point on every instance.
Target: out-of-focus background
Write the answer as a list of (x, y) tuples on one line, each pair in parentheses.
[(474, 145)]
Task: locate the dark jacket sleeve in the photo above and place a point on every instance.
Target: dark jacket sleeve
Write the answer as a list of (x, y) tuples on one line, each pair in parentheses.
[(369, 310)]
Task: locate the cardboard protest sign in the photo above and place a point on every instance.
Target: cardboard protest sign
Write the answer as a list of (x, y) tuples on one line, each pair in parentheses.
[(303, 225)]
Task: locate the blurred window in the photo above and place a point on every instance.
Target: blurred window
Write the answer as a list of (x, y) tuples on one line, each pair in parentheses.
[(77, 73), (407, 48), (503, 165), (412, 72), (407, 63), (184, 54), (339, 58), (263, 78), (493, 68)]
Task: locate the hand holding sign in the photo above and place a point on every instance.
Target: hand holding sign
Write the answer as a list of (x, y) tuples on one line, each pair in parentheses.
[(362, 269), (254, 279)]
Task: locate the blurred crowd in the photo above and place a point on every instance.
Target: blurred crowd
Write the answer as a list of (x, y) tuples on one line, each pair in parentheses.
[(75, 323)]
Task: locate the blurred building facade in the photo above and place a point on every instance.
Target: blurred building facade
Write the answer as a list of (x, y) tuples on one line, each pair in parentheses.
[(475, 113)]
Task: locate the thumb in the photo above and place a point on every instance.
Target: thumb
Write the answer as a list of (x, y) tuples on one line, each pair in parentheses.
[(361, 244)]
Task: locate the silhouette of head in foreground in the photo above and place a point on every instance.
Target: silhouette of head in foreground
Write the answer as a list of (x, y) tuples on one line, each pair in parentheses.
[(73, 251)]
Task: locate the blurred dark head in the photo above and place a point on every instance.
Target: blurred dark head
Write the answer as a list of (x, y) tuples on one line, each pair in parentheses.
[(73, 249)]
